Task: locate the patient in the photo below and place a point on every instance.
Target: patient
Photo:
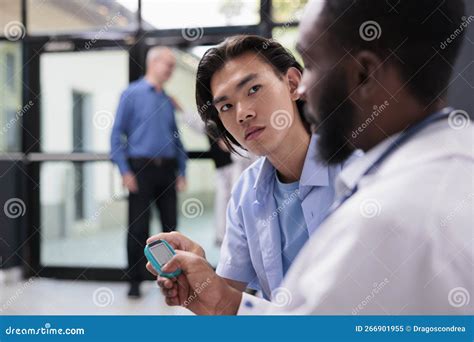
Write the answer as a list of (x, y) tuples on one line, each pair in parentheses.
[(246, 93)]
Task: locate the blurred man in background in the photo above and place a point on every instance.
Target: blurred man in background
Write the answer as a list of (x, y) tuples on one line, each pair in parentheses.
[(147, 149)]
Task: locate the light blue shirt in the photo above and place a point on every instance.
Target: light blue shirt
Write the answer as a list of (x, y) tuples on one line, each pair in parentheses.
[(293, 229), (252, 248)]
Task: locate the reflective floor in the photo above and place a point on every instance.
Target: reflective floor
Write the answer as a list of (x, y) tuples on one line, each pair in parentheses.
[(40, 296)]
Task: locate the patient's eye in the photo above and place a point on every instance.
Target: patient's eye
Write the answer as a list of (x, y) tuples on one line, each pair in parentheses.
[(226, 107), (254, 89)]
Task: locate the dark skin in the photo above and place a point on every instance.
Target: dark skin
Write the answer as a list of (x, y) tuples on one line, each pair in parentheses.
[(369, 82)]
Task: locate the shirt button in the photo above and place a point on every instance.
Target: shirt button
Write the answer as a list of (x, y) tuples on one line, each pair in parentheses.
[(248, 304)]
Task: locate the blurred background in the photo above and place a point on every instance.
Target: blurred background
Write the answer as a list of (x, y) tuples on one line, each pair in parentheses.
[(63, 66)]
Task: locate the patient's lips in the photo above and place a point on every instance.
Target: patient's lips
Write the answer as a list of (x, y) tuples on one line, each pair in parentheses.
[(253, 132)]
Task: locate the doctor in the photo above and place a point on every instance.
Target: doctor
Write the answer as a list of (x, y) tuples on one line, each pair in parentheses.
[(279, 201), (399, 240)]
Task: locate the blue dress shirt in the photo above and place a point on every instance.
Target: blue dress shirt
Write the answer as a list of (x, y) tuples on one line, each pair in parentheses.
[(145, 126)]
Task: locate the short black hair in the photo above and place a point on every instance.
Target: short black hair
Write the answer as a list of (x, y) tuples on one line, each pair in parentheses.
[(268, 50), (421, 37)]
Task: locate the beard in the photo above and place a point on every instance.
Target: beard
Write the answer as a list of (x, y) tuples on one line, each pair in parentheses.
[(336, 115)]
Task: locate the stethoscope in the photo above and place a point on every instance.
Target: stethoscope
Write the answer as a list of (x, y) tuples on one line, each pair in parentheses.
[(401, 139)]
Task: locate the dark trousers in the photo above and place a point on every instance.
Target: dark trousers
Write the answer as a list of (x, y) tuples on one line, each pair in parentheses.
[(156, 186)]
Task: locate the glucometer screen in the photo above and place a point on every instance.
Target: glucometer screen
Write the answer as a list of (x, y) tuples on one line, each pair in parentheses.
[(161, 253)]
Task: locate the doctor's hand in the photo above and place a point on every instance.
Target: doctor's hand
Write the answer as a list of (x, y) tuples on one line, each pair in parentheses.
[(199, 288)]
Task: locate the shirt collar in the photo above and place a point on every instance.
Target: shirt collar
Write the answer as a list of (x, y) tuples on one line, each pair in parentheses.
[(352, 173), (315, 172), (150, 86)]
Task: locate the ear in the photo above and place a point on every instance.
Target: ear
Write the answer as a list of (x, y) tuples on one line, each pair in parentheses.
[(366, 74), (293, 76)]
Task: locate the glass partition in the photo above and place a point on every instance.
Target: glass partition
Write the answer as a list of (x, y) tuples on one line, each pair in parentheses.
[(11, 109), (84, 213), (99, 16)]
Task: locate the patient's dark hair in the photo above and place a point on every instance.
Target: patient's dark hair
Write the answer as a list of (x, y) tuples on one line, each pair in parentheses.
[(215, 58)]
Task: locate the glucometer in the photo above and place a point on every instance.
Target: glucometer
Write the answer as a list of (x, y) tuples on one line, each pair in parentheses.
[(158, 253)]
